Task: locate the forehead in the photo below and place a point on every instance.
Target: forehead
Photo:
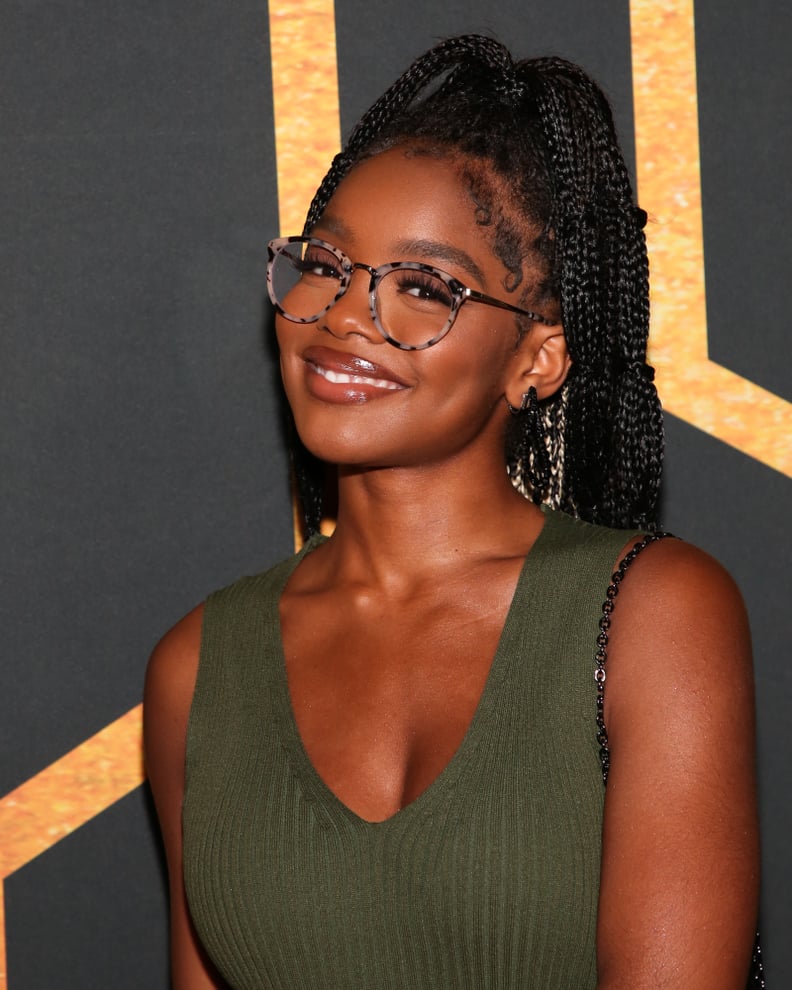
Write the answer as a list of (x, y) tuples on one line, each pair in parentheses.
[(399, 196)]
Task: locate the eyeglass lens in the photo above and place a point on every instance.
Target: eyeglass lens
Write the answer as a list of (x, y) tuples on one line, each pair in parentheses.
[(413, 305)]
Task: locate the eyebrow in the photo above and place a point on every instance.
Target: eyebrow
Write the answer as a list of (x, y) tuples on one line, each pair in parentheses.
[(444, 252), (422, 248), (335, 225)]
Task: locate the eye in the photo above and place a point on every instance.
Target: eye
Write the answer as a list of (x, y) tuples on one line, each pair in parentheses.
[(318, 262), (423, 287)]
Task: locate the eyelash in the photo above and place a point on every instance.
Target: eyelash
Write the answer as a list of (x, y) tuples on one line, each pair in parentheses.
[(317, 266), (430, 286)]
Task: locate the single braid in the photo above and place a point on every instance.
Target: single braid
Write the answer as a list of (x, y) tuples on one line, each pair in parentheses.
[(540, 156)]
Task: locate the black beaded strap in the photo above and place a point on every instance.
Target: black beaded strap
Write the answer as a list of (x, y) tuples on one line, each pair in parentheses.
[(756, 979), (602, 643)]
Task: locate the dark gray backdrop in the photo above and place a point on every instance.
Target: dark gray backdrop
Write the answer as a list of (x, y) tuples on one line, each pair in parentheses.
[(141, 457)]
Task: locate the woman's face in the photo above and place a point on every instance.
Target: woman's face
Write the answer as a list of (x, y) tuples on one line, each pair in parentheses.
[(356, 399)]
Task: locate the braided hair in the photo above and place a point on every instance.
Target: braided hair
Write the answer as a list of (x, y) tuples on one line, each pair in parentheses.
[(539, 152)]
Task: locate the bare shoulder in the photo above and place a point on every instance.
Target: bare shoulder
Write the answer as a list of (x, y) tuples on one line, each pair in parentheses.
[(679, 664), (680, 621), (680, 809), (172, 671), (677, 573), (170, 682), (173, 665)]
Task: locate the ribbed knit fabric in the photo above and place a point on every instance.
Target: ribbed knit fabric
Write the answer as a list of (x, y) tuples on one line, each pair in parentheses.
[(488, 879)]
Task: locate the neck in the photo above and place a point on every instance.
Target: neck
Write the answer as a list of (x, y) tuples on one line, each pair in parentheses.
[(396, 525)]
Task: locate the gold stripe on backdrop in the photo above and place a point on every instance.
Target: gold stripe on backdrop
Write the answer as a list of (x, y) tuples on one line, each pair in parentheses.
[(66, 795), (692, 387), (307, 120), (305, 102)]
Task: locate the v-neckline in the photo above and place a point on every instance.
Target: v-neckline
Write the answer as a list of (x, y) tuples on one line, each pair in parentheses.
[(308, 775)]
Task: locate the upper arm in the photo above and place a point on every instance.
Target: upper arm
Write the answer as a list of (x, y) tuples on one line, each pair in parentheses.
[(170, 683), (680, 870)]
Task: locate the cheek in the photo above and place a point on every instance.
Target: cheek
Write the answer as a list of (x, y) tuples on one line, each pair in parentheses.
[(480, 366), (284, 333), (288, 337)]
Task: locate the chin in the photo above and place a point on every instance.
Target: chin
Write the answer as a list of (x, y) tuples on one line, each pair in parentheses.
[(340, 448)]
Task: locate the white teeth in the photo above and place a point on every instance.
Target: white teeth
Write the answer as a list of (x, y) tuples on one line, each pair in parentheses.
[(339, 378)]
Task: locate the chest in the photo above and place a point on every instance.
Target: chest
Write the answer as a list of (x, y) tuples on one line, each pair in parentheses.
[(488, 877), (383, 694)]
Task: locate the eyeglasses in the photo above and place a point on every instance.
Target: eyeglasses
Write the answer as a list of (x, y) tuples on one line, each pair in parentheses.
[(413, 305)]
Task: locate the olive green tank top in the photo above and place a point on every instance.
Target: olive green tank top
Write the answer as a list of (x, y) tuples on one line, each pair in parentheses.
[(490, 878)]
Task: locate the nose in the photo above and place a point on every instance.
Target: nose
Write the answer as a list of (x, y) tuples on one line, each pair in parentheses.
[(351, 314)]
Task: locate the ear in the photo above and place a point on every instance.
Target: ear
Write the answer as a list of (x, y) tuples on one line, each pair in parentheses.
[(542, 360)]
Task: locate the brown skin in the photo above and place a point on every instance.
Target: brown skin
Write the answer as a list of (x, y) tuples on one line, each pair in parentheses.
[(411, 593)]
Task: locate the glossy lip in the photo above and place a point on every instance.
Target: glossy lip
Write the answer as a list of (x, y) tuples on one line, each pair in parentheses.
[(365, 374)]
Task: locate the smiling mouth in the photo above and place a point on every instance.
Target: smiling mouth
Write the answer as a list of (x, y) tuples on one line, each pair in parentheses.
[(343, 378)]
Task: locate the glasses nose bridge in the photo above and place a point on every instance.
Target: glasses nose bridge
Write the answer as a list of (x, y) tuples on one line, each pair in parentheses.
[(358, 265), (342, 316), (350, 268)]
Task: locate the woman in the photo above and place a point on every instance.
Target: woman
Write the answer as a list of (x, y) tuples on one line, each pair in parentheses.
[(393, 774)]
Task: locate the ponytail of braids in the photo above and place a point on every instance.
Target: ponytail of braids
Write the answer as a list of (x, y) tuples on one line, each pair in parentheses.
[(614, 434)]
